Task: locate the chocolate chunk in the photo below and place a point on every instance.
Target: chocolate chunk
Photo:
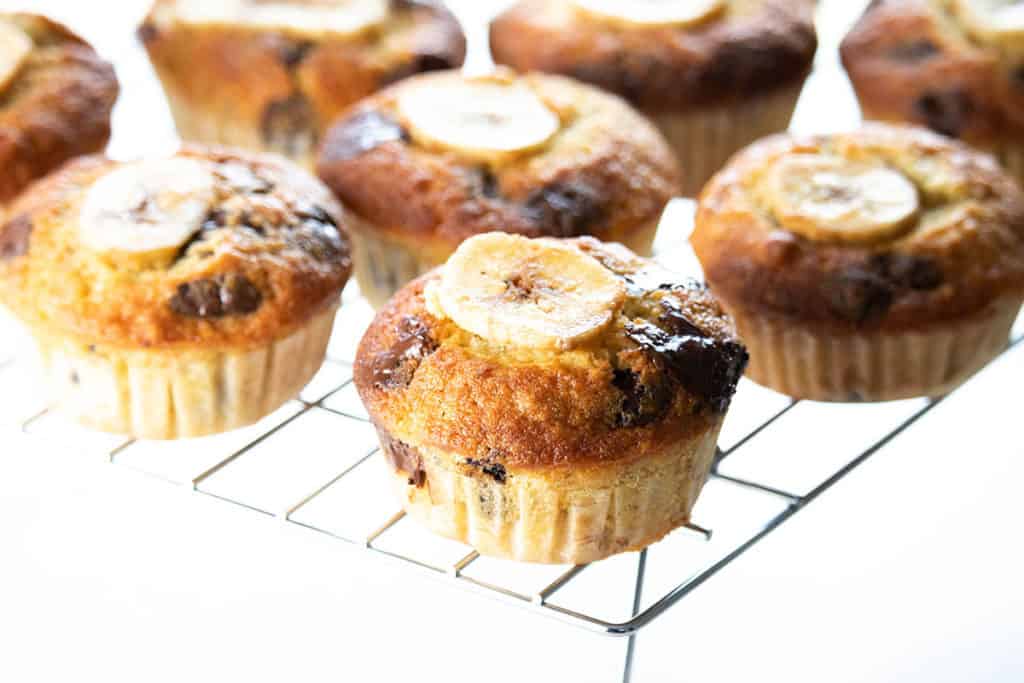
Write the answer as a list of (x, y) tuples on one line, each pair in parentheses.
[(216, 297), (490, 466), (147, 33), (15, 236), (860, 296), (289, 125), (702, 365), (566, 209), (318, 235), (1018, 76), (945, 112), (397, 366), (906, 271), (914, 51), (642, 402), (360, 134), (292, 52), (403, 458)]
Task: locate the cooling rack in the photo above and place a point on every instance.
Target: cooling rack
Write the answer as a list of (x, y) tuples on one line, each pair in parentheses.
[(313, 465)]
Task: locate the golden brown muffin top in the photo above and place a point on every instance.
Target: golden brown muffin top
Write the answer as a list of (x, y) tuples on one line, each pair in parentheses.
[(287, 75), (55, 106), (887, 227), (603, 167), (664, 367), (215, 250), (941, 64), (744, 48)]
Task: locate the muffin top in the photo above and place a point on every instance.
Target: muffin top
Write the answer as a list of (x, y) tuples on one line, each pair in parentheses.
[(451, 156), (290, 65), (205, 249), (887, 227), (663, 56), (55, 99), (956, 66), (542, 353)]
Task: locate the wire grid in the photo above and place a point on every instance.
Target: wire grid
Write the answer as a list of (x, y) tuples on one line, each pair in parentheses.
[(751, 492)]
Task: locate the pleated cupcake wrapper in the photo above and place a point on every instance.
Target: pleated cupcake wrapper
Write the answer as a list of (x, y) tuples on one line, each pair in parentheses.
[(169, 395), (704, 140), (384, 265), (557, 519), (878, 366), (195, 124)]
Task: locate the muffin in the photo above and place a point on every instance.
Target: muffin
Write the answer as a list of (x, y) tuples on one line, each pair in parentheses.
[(880, 264), (549, 400), (442, 157), (955, 66), (270, 75), (57, 97), (175, 297), (714, 75)]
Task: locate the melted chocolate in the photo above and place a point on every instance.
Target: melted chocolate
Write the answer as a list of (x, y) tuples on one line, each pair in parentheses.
[(642, 402), (395, 367), (907, 271), (14, 237), (946, 112), (216, 297), (360, 134), (704, 366), (318, 235), (403, 458), (568, 209), (860, 296)]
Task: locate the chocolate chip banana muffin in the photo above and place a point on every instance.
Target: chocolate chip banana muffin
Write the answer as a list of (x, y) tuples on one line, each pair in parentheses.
[(549, 400), (880, 264), (175, 297), (269, 75), (442, 157), (955, 66), (56, 95), (714, 75)]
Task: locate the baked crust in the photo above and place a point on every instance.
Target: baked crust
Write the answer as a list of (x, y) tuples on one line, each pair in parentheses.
[(57, 107), (758, 46), (965, 251), (282, 85), (607, 170), (615, 399), (273, 253), (914, 61)]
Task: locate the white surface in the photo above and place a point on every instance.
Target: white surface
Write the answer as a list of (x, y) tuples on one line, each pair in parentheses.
[(907, 571)]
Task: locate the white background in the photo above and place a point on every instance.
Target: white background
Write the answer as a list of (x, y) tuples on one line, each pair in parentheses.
[(908, 570)]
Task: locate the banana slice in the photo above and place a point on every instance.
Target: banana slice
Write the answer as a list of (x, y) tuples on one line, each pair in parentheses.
[(483, 120), (521, 292), (15, 46), (826, 198), (311, 18), (998, 21), (653, 13), (147, 209)]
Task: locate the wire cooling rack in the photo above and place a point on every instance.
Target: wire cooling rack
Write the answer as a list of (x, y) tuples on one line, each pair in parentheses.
[(313, 465)]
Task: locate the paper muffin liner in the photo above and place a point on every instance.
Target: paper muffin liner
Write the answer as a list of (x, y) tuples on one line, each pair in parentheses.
[(195, 124), (180, 394), (877, 366), (560, 517), (704, 140), (383, 265)]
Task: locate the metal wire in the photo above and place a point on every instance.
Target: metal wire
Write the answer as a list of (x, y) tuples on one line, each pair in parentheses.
[(540, 601)]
